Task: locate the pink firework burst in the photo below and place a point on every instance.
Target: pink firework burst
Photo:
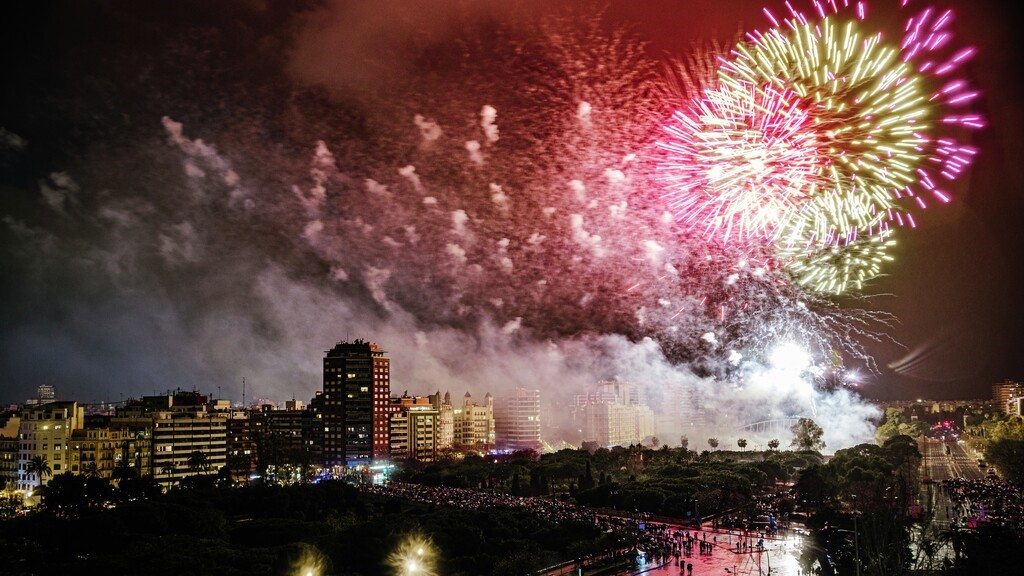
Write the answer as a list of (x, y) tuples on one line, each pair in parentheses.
[(739, 161)]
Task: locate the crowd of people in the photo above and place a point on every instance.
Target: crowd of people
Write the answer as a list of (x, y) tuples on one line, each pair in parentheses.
[(978, 502), (548, 509), (658, 543)]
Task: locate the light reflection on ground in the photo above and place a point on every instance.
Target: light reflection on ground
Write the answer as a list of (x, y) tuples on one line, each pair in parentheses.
[(781, 555)]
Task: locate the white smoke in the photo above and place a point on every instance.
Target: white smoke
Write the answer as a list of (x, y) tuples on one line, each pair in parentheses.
[(429, 129), (487, 116)]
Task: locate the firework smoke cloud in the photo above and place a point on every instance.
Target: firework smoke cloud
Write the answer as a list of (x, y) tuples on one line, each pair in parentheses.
[(485, 206)]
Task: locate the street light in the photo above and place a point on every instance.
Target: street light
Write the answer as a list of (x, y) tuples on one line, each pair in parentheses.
[(413, 557), (856, 545)]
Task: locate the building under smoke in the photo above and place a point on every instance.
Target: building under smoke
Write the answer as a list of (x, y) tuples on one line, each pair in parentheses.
[(357, 393), (613, 414), (474, 425), (414, 428), (517, 420), (445, 420)]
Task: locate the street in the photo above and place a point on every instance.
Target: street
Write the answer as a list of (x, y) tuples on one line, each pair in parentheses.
[(938, 466)]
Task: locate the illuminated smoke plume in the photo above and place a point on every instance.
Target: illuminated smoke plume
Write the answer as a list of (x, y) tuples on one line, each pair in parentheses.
[(490, 217)]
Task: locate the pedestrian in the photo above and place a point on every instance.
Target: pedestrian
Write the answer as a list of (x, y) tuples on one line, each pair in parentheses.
[(689, 568)]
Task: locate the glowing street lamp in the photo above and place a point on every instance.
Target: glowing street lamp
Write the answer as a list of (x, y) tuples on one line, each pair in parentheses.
[(413, 557)]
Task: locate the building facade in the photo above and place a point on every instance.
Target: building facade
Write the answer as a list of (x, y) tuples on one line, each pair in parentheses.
[(356, 404), (414, 427), (111, 449), (445, 421), (517, 420), (188, 443), (10, 443), (45, 432), (474, 425), (613, 415), (1005, 393)]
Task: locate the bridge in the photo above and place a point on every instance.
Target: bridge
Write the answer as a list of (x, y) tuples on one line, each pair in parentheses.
[(769, 427)]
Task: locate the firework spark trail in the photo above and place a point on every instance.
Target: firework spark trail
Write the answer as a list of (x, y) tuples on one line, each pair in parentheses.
[(874, 139), (741, 161)]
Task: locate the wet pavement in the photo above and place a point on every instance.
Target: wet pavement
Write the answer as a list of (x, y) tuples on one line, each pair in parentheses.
[(780, 557)]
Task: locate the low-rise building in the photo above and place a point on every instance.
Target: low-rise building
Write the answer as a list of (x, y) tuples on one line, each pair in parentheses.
[(187, 444), (44, 436), (110, 449), (474, 425), (10, 427), (414, 429)]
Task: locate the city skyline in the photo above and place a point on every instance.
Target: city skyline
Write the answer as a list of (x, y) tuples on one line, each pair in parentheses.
[(517, 287), (155, 245)]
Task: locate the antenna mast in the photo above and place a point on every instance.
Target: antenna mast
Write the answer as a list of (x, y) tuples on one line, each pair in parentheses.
[(243, 392)]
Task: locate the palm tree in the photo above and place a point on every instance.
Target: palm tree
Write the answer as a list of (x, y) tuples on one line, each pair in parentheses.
[(123, 469), (40, 467), (713, 442), (89, 469), (167, 469), (742, 443), (773, 444), (198, 461)]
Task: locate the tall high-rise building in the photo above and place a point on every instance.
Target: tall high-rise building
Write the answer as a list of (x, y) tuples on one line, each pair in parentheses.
[(356, 399), (517, 420), (613, 415), (46, 393), (1004, 393)]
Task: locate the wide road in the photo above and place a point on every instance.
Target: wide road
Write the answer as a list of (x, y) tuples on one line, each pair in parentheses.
[(961, 462)]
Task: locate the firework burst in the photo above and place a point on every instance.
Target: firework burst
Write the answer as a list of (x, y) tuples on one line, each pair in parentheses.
[(816, 137), (742, 161)]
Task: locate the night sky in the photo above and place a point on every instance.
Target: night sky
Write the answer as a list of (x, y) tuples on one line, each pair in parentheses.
[(193, 193)]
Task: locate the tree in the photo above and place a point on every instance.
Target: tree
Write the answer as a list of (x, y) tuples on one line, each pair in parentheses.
[(90, 469), (684, 442), (1008, 456), (742, 443), (71, 494), (1012, 428), (198, 462), (140, 488), (713, 442), (773, 444), (39, 467), (807, 435), (123, 470)]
